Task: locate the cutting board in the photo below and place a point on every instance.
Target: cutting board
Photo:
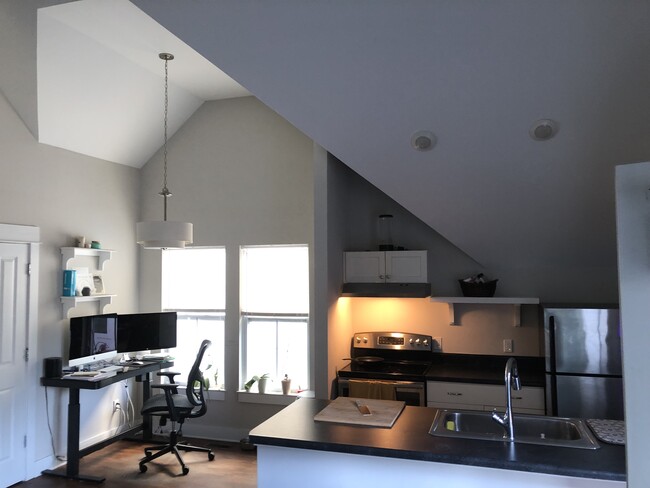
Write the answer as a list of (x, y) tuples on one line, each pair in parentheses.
[(344, 410)]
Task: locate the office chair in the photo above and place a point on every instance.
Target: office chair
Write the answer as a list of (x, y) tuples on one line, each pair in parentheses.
[(175, 407)]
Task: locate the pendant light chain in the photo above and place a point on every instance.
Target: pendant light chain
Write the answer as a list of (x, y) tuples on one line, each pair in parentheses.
[(165, 191)]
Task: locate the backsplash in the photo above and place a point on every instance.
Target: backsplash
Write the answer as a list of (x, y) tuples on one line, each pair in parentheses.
[(482, 329)]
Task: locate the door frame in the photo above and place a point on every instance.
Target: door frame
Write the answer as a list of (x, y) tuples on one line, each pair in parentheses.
[(29, 235)]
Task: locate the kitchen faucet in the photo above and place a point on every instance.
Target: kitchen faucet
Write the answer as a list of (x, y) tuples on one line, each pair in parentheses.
[(512, 382)]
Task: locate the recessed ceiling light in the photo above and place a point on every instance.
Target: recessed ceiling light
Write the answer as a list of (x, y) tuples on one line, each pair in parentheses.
[(543, 130), (423, 140)]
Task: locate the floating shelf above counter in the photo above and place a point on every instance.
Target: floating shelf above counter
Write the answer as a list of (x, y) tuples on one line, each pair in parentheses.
[(516, 302), (71, 302)]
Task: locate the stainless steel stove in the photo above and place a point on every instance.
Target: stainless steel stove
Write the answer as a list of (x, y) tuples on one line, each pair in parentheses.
[(387, 365)]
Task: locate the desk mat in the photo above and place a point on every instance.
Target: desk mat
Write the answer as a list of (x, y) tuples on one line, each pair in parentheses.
[(610, 431), (344, 410)]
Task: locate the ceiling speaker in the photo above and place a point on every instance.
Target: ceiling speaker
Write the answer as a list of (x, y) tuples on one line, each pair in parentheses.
[(423, 140), (543, 130)]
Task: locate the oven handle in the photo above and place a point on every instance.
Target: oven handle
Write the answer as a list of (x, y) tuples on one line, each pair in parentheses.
[(408, 384)]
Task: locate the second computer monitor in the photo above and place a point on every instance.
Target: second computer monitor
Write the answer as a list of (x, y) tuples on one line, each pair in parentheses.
[(146, 331)]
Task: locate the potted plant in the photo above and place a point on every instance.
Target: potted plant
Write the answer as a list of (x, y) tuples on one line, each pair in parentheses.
[(261, 383)]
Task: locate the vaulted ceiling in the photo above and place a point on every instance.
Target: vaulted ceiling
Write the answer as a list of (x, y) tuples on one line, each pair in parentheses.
[(360, 78)]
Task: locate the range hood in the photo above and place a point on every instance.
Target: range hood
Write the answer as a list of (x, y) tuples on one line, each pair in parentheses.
[(394, 290)]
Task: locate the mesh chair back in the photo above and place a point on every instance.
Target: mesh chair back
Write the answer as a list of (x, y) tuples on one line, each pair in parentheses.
[(195, 385)]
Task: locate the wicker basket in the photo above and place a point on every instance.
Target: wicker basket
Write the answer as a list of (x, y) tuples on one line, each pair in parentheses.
[(486, 289)]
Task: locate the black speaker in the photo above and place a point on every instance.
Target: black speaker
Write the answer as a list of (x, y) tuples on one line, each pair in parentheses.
[(53, 367)]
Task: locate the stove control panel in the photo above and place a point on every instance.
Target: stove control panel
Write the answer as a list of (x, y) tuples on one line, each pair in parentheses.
[(392, 340)]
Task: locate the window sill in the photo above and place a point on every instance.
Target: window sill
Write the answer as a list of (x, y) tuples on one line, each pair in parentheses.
[(210, 394), (271, 398)]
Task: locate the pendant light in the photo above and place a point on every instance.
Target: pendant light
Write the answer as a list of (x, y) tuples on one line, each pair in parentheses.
[(164, 234)]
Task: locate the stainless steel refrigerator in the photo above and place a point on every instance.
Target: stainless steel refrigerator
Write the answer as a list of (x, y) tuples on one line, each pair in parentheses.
[(584, 374)]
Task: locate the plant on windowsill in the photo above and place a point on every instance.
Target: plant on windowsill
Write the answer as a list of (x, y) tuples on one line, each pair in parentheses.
[(261, 383)]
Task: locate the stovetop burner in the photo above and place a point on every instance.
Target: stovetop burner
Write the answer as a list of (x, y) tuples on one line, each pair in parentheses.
[(388, 355)]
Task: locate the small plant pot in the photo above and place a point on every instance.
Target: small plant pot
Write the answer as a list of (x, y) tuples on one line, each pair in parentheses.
[(261, 385)]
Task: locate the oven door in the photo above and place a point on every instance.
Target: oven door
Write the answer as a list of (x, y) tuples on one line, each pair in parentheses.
[(409, 392)]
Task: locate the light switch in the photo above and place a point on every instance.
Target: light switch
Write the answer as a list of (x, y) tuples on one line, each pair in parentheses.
[(507, 345)]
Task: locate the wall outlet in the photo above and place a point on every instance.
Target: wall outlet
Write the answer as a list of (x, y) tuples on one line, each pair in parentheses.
[(436, 344), (507, 345)]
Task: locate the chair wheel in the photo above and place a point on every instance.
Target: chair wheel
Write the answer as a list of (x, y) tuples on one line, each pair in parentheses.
[(185, 471), (210, 456), (143, 468)]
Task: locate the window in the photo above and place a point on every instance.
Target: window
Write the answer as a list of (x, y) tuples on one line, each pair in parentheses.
[(274, 303), (194, 285)]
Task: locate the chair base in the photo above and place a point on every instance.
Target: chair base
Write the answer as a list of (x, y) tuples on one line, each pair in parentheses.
[(174, 447)]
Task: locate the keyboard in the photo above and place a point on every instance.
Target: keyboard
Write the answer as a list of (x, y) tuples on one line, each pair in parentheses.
[(89, 375), (108, 369)]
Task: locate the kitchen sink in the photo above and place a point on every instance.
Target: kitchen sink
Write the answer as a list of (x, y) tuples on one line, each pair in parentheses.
[(529, 429)]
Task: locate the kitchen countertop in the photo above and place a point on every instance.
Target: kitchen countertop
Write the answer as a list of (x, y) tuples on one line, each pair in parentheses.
[(470, 368), (294, 427)]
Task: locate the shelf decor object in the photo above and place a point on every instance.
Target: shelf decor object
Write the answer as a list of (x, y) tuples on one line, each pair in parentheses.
[(516, 302), (164, 234)]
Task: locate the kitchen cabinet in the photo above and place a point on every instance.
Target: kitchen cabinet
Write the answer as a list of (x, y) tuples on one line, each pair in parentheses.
[(103, 256), (386, 267), (472, 396)]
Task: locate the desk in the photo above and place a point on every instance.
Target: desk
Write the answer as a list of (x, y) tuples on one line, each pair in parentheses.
[(74, 454)]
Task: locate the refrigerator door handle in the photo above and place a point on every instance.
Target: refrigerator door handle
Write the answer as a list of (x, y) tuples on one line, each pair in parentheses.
[(551, 343)]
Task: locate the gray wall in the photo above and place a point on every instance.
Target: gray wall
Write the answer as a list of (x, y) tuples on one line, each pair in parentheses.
[(243, 176), (66, 195)]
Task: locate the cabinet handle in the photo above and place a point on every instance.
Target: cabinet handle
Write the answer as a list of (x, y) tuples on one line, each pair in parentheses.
[(381, 277), (388, 277), (517, 398), (454, 393)]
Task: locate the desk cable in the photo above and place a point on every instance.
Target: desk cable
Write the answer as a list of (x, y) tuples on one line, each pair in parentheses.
[(49, 427)]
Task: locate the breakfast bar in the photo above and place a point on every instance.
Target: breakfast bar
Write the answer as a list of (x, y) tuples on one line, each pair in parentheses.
[(292, 447)]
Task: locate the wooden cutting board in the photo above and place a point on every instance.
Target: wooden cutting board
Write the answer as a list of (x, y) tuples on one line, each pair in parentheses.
[(344, 410)]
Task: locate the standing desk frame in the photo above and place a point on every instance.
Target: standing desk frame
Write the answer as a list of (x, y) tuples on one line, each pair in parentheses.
[(74, 454)]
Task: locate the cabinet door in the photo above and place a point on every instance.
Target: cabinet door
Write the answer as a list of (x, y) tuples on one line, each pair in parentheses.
[(365, 267), (484, 397), (406, 266)]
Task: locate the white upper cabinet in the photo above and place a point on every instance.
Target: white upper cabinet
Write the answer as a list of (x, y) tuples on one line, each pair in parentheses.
[(386, 267)]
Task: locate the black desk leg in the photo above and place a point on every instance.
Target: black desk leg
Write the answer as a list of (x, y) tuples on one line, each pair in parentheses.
[(72, 466), (147, 429)]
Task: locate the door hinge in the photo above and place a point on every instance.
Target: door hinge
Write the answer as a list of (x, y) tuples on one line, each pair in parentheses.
[(29, 269), (26, 354)]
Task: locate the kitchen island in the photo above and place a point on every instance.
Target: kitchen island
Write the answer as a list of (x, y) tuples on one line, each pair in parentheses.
[(295, 450)]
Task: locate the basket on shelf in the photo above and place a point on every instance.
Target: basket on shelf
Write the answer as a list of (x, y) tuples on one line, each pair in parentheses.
[(478, 289)]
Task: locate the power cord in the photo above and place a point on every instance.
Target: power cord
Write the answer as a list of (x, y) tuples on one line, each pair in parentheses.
[(49, 427)]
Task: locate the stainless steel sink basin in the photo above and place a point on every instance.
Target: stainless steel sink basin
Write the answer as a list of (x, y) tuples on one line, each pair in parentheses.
[(529, 429)]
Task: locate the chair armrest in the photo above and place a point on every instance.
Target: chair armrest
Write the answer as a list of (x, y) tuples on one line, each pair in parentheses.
[(169, 374), (167, 387)]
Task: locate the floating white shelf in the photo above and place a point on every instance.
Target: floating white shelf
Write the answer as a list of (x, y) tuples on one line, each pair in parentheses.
[(515, 301), (68, 253), (71, 302)]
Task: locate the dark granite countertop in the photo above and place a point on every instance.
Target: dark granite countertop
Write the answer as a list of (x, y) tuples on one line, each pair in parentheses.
[(294, 427), (471, 368)]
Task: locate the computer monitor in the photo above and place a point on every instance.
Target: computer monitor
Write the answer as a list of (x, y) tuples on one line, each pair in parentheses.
[(92, 338), (146, 331)]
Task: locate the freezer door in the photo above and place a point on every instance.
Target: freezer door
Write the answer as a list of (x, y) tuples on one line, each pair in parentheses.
[(583, 341), (589, 397)]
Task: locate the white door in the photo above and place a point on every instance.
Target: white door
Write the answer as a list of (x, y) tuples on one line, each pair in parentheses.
[(13, 367)]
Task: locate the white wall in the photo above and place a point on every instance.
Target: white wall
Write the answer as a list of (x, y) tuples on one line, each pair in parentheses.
[(633, 230), (67, 194), (243, 176)]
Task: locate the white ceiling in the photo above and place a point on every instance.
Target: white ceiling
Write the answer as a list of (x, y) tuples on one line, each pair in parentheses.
[(361, 77), (101, 82)]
